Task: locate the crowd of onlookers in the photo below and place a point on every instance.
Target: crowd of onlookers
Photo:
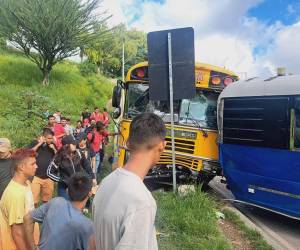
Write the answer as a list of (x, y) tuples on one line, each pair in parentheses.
[(123, 209)]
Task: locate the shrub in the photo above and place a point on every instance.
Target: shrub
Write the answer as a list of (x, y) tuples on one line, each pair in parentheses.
[(87, 68)]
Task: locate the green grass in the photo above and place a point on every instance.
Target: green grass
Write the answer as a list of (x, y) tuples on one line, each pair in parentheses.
[(256, 240), (188, 222), (20, 84)]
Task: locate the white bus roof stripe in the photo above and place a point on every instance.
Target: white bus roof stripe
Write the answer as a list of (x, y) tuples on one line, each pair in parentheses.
[(279, 86)]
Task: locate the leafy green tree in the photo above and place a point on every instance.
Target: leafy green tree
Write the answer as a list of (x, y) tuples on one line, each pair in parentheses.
[(135, 48), (101, 51), (47, 31), (106, 52)]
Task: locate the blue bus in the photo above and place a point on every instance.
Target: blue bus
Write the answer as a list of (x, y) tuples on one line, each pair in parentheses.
[(259, 135)]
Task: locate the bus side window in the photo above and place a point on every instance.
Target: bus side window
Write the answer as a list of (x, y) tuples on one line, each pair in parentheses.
[(296, 123)]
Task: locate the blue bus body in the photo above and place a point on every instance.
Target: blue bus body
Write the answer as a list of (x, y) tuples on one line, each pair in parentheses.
[(260, 143), (265, 177)]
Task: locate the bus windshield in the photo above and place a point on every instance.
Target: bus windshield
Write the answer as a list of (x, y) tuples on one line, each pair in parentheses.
[(137, 101), (198, 112), (201, 110)]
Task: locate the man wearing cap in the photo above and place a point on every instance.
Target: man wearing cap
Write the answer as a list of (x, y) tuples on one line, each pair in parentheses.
[(5, 164)]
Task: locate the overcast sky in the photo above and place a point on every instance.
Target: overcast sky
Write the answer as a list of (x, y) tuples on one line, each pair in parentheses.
[(253, 36)]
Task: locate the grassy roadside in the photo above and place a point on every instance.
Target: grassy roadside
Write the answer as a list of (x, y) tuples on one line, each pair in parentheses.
[(188, 222), (254, 237)]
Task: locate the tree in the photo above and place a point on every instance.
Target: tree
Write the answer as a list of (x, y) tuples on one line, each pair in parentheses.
[(106, 52), (47, 31), (100, 51)]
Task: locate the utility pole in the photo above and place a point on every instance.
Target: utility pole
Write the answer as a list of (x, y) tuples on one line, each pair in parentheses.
[(123, 60), (172, 109)]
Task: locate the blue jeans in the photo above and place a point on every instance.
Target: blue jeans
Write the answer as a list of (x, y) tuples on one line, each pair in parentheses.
[(62, 191), (98, 163)]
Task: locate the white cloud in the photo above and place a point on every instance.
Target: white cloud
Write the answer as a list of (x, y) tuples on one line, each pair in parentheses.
[(284, 51), (114, 8), (224, 34), (205, 15), (225, 51)]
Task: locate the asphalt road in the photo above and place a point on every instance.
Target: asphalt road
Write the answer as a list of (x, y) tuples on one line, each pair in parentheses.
[(280, 231)]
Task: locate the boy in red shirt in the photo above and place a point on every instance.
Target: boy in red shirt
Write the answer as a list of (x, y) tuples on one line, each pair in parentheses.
[(57, 129), (96, 138), (96, 115)]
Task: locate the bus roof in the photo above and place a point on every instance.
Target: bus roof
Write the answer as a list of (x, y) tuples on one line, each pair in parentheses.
[(197, 66), (276, 86)]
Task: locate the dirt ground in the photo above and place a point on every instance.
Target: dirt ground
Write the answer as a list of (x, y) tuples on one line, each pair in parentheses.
[(232, 233)]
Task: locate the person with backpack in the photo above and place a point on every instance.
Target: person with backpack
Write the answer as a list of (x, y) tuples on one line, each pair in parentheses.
[(68, 161)]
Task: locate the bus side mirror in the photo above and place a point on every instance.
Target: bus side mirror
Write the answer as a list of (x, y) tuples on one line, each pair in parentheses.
[(116, 114), (116, 98)]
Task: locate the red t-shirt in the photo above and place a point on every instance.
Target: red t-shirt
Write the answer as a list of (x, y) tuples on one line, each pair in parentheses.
[(106, 118), (98, 139), (97, 117), (58, 130)]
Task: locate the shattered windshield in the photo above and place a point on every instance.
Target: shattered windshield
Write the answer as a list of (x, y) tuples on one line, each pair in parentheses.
[(137, 101), (202, 109), (199, 111)]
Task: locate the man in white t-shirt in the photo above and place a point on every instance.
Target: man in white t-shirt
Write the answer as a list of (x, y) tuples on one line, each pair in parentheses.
[(123, 208)]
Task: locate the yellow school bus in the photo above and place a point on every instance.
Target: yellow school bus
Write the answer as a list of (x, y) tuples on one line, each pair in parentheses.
[(196, 141)]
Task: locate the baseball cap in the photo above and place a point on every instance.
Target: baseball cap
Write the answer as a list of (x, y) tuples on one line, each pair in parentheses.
[(5, 145), (68, 139)]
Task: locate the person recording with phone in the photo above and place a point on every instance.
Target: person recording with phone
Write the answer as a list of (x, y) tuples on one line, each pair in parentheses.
[(42, 186)]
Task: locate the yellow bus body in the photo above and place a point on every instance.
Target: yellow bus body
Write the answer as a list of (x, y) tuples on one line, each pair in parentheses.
[(190, 153)]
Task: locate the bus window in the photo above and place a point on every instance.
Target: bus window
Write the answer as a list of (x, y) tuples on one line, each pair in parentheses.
[(296, 124), (202, 109), (137, 99), (138, 102)]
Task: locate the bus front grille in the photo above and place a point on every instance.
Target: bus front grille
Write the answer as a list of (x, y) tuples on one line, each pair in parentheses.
[(166, 159), (181, 145)]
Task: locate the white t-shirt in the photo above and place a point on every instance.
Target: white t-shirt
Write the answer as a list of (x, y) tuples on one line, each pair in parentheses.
[(124, 213)]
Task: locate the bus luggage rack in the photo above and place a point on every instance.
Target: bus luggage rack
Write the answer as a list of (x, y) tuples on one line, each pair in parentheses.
[(181, 145), (166, 159)]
